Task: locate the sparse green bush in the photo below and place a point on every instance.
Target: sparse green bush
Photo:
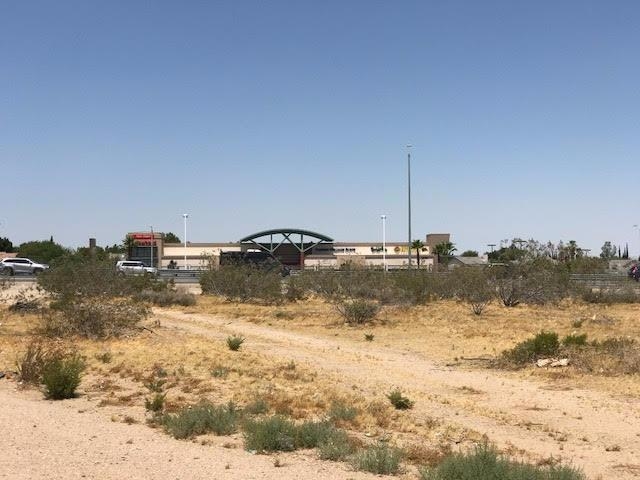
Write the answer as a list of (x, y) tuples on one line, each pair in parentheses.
[(575, 340), (336, 447), (273, 434), (610, 296), (234, 342), (484, 463), (258, 406), (75, 277), (341, 412), (61, 376), (156, 403), (369, 337), (544, 344), (277, 433), (92, 318), (473, 287), (202, 418), (357, 312), (167, 298), (219, 372), (536, 282), (379, 458), (104, 357), (244, 283), (399, 401)]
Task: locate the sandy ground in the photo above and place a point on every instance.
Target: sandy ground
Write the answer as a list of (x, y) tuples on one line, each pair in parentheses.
[(588, 429), (73, 439), (531, 418)]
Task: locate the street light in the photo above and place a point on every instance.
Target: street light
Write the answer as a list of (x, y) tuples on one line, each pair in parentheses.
[(384, 242), (185, 216), (409, 203)]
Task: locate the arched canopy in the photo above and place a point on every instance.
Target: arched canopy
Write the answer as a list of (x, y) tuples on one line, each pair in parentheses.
[(303, 240), (287, 232)]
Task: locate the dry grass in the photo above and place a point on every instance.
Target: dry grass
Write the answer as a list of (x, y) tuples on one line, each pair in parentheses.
[(192, 367)]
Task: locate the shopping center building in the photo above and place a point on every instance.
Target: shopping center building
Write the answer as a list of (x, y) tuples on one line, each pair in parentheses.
[(293, 248)]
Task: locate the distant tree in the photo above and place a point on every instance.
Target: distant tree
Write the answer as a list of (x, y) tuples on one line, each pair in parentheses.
[(417, 245), (85, 252), (607, 251), (43, 251), (625, 255), (444, 250), (469, 253), (115, 248), (129, 243), (170, 237), (6, 245)]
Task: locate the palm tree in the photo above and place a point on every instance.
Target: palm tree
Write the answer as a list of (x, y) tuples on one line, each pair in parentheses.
[(444, 249), (417, 245)]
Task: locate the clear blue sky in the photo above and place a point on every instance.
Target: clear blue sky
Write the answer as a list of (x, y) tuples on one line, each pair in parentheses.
[(118, 115)]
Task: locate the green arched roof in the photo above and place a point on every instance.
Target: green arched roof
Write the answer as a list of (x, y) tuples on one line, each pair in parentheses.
[(287, 231)]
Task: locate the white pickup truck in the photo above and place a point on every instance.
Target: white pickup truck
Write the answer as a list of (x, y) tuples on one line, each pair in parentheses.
[(131, 267)]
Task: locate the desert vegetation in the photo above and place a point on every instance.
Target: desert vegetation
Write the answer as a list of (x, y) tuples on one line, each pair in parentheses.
[(91, 332)]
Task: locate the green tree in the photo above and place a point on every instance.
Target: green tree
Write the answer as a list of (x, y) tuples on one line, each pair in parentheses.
[(608, 250), (43, 251), (469, 253), (170, 237), (417, 245), (445, 249), (129, 244), (6, 245)]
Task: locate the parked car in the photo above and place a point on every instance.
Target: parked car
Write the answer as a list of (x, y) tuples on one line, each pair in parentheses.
[(132, 267), (634, 272), (13, 266)]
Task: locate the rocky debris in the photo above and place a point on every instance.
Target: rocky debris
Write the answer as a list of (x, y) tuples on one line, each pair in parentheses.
[(552, 362)]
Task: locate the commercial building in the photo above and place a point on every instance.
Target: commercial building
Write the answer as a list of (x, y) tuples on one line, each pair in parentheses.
[(294, 248)]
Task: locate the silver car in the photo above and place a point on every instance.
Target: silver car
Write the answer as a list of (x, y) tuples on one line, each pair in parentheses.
[(13, 266), (132, 267)]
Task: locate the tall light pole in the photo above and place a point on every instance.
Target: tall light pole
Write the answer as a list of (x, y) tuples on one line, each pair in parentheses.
[(409, 204), (152, 241), (185, 216), (384, 242)]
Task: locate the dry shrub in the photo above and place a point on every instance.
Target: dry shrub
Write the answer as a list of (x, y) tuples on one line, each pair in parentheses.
[(35, 358), (358, 311), (167, 298), (426, 455), (92, 318), (614, 356), (244, 283), (472, 284), (381, 412)]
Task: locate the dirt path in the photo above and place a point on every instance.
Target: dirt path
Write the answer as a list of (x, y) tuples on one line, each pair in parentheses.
[(578, 426)]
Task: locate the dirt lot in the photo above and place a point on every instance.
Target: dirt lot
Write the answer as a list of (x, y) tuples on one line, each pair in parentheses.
[(301, 359)]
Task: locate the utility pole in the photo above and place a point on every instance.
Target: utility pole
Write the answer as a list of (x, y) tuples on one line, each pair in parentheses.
[(409, 204), (185, 216), (384, 243)]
